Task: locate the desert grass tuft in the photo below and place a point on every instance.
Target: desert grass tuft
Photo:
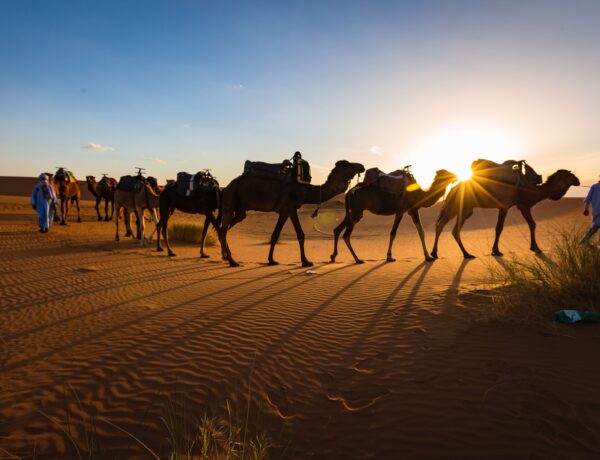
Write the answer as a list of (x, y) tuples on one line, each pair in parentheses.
[(190, 233), (530, 290)]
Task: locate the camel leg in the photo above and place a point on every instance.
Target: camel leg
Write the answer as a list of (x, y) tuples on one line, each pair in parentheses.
[(98, 200), (117, 223), (300, 236), (225, 252), (208, 221), (127, 219), (106, 210), (77, 204), (162, 228), (397, 220), (64, 208), (112, 209), (417, 221), (275, 237), (142, 228), (155, 221), (352, 221), (499, 227), (441, 222), (336, 236), (529, 218), (456, 231)]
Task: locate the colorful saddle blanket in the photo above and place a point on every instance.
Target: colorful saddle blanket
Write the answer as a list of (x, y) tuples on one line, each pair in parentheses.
[(64, 175)]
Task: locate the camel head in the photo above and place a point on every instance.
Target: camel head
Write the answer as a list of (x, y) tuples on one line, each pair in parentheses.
[(90, 179), (345, 171), (560, 182), (153, 183)]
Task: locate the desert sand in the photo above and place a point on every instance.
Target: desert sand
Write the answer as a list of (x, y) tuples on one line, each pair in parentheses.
[(381, 360)]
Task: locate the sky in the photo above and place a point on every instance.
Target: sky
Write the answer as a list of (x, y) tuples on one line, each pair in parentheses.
[(104, 86)]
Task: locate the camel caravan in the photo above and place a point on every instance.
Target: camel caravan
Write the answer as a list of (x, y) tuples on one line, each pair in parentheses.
[(284, 187)]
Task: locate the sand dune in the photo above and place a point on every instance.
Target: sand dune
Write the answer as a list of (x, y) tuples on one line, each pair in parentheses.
[(346, 361)]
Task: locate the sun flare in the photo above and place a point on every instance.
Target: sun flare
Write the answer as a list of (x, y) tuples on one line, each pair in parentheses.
[(455, 147)]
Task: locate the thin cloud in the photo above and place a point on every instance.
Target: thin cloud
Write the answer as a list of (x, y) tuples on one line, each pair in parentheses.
[(156, 160), (376, 150), (98, 147)]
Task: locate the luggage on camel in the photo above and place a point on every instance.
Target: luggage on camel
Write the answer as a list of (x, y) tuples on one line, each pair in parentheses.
[(298, 169), (110, 182), (63, 175), (202, 181), (126, 183), (278, 171), (512, 172), (301, 169), (394, 182)]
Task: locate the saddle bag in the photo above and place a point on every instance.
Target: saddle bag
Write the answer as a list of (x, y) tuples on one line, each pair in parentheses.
[(277, 171), (188, 184), (126, 184)]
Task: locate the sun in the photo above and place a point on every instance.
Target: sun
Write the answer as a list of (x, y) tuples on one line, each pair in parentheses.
[(455, 147)]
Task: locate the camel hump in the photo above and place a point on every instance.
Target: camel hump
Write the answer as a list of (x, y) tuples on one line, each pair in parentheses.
[(394, 182), (277, 171), (63, 174), (510, 171), (126, 183)]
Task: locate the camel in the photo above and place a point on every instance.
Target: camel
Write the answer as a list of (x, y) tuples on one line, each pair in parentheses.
[(373, 198), (481, 192), (103, 190), (66, 191), (143, 196), (200, 202), (249, 192)]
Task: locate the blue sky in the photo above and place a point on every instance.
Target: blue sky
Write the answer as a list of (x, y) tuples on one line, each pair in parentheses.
[(185, 85)]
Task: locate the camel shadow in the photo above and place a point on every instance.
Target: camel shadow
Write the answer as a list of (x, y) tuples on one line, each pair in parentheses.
[(357, 346), (151, 338), (276, 345), (451, 294)]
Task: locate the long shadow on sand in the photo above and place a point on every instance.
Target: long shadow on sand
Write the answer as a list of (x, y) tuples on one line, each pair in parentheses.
[(150, 338), (313, 314), (451, 295), (149, 275), (135, 299)]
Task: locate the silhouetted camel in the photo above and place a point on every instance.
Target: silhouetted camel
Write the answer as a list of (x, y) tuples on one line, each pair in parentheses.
[(253, 193), (67, 191), (482, 192), (200, 202), (372, 198), (103, 190)]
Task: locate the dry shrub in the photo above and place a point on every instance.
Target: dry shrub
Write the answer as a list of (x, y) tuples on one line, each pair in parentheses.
[(190, 233), (531, 290)]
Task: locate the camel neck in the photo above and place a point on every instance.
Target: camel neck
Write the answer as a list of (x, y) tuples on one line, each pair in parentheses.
[(317, 194), (426, 198), (550, 189), (92, 188)]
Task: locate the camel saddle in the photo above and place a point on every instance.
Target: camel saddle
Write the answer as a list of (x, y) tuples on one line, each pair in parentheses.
[(126, 183), (512, 172), (110, 182), (277, 171), (190, 184), (394, 182), (63, 175)]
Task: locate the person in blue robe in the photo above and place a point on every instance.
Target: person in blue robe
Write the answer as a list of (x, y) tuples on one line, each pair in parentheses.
[(43, 198)]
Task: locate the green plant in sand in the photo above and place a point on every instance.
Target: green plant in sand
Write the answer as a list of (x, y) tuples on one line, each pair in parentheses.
[(532, 289)]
